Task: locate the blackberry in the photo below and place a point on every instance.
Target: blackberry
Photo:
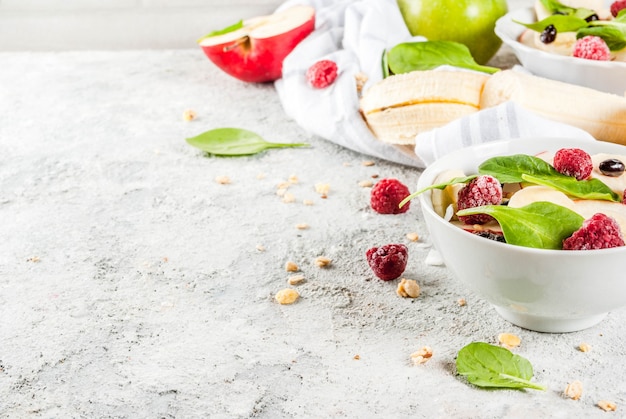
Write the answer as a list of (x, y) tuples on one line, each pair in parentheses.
[(611, 167), (491, 236), (548, 35)]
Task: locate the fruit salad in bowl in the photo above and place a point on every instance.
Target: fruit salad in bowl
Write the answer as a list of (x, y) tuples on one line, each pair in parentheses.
[(534, 226), (576, 41)]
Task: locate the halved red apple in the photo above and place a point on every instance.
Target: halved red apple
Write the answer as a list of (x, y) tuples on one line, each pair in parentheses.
[(254, 50)]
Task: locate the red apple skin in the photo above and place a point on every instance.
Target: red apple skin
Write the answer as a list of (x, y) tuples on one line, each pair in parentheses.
[(258, 60)]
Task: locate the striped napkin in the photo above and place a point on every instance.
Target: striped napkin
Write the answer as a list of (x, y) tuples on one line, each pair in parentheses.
[(354, 34)]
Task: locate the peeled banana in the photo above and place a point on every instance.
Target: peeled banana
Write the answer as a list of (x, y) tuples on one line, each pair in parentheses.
[(603, 115), (404, 105)]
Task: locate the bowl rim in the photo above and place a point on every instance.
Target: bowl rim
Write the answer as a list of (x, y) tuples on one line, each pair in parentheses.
[(505, 26), (438, 166)]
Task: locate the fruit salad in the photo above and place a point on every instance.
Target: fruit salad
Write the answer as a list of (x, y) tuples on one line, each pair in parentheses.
[(563, 200), (578, 28)]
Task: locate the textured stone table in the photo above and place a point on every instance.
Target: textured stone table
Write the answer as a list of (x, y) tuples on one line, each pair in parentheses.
[(133, 284)]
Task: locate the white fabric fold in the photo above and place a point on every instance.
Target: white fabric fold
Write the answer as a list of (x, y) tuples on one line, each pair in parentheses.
[(354, 34)]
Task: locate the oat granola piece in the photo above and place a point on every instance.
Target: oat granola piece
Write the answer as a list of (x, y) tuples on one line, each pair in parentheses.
[(368, 163), (288, 198), (607, 406), (223, 180), (260, 248), (413, 236), (307, 202), (461, 302), (189, 115), (322, 261), (509, 340), (302, 226), (291, 267), (408, 288), (366, 183), (295, 279), (422, 356), (584, 347), (574, 390), (287, 296), (322, 189)]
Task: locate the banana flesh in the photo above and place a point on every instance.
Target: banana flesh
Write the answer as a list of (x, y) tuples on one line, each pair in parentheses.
[(404, 105), (603, 115)]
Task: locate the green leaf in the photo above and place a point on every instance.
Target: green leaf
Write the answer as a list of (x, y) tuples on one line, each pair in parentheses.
[(541, 225), (226, 30), (613, 34), (443, 185), (509, 169), (412, 56), (584, 189), (524, 168), (486, 365), (385, 64), (554, 6), (562, 23), (234, 142)]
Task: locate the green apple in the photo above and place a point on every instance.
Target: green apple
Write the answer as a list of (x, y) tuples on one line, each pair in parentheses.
[(470, 22)]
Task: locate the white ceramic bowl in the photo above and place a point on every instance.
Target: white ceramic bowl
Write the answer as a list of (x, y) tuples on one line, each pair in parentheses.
[(607, 76), (537, 289)]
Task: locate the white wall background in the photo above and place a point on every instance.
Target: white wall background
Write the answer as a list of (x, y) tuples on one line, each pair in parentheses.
[(40, 25), (37, 25)]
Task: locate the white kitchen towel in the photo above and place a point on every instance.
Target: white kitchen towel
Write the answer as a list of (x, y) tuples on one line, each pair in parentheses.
[(354, 34)]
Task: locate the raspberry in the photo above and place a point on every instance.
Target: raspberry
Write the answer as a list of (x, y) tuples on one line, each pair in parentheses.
[(573, 162), (321, 74), (386, 196), (598, 232), (616, 6), (482, 190), (389, 261), (592, 48)]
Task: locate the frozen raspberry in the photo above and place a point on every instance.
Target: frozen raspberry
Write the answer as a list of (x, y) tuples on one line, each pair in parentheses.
[(592, 48), (321, 74), (616, 6), (482, 190), (386, 196), (573, 162), (389, 261), (598, 232)]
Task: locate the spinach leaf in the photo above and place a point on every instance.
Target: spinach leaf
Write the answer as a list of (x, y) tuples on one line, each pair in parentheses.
[(612, 31), (227, 29), (412, 56), (509, 169), (585, 189), (554, 6), (530, 169), (486, 365), (234, 142), (562, 23), (541, 225), (453, 181)]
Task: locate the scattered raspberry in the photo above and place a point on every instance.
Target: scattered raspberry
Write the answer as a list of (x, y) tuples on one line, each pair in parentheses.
[(321, 74), (389, 261), (573, 162), (598, 232), (592, 48), (617, 6), (482, 190), (386, 196)]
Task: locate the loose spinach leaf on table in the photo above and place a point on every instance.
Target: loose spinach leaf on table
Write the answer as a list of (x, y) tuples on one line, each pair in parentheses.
[(541, 225), (412, 56), (486, 365), (234, 142)]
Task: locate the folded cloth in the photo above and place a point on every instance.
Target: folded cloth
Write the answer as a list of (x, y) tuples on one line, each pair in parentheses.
[(354, 34)]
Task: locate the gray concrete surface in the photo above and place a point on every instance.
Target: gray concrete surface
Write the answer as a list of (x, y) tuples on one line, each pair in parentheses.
[(133, 285)]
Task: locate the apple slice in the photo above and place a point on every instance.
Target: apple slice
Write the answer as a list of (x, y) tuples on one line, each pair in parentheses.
[(253, 51)]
